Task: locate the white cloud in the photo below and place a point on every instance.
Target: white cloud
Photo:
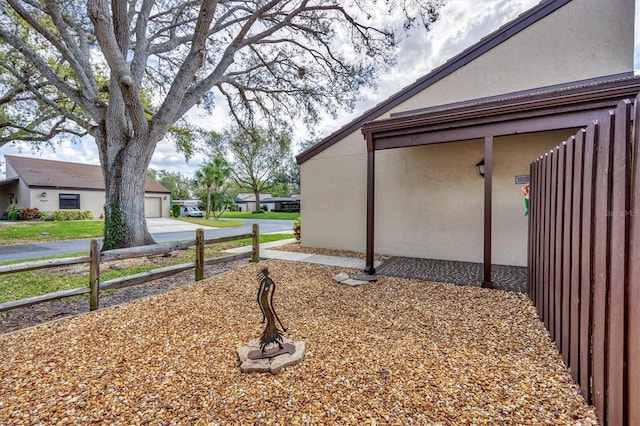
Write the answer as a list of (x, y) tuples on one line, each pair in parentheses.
[(83, 151)]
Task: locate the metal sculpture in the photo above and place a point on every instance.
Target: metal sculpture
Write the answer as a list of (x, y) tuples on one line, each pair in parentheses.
[(261, 359), (266, 290)]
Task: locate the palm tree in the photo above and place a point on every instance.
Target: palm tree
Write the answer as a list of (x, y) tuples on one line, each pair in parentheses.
[(213, 174)]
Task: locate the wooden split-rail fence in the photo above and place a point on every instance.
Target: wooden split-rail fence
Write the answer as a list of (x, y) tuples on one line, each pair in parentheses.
[(95, 257)]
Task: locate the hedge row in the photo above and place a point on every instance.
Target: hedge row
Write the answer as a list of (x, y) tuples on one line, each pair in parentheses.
[(15, 212)]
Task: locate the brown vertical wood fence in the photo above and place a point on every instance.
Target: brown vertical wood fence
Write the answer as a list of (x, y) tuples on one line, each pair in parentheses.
[(584, 258)]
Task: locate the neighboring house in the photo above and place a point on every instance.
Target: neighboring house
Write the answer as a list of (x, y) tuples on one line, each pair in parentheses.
[(246, 202), (188, 206), (280, 204), (57, 185), (401, 179)]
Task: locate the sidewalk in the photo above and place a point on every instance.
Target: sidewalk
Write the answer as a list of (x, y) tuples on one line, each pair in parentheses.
[(165, 224), (265, 253)]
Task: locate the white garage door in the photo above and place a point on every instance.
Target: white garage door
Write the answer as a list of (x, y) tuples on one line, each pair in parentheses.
[(152, 207)]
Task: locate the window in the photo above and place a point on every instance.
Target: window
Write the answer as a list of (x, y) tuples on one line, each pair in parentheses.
[(69, 201)]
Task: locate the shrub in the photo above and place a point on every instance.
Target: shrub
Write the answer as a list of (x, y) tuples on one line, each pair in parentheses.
[(30, 213), (175, 210), (297, 228), (14, 211), (64, 215), (85, 215)]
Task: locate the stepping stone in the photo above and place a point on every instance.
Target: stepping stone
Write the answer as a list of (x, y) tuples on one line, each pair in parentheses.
[(273, 364), (354, 280)]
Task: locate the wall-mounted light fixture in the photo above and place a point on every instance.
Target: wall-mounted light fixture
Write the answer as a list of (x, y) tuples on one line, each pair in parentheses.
[(164, 198), (11, 197), (43, 195), (480, 167)]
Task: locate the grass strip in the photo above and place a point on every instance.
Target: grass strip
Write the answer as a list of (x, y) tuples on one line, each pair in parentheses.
[(262, 215), (38, 232)]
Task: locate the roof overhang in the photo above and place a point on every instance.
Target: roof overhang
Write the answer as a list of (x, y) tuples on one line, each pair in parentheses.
[(8, 181), (516, 113)]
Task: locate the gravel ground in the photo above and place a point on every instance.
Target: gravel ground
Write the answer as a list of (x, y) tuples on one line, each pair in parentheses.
[(21, 318), (396, 351)]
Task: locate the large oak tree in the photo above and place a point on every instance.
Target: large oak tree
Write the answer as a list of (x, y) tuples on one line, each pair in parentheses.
[(126, 71)]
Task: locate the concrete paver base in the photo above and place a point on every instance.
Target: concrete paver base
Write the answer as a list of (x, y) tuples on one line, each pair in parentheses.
[(271, 365), (510, 278)]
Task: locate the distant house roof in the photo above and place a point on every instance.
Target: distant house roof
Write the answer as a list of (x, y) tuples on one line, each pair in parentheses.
[(246, 197), (36, 172), (279, 200), (487, 43)]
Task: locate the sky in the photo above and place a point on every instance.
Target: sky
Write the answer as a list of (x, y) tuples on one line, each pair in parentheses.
[(461, 24)]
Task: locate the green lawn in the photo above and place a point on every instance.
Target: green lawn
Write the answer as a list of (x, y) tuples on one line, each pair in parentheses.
[(264, 215), (21, 285), (36, 232)]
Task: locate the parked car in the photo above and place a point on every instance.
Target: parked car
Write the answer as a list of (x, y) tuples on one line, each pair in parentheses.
[(192, 212)]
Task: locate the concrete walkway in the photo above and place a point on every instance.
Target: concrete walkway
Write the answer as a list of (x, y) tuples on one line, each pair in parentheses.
[(509, 278), (164, 224), (265, 253)]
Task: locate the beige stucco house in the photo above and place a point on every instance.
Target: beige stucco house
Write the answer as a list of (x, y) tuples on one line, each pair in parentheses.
[(402, 180), (246, 201), (57, 185)]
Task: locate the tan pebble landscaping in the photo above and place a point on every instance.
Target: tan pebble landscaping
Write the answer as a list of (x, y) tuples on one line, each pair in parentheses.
[(395, 351)]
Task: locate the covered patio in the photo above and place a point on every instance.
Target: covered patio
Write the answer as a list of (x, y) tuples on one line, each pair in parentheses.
[(558, 107)]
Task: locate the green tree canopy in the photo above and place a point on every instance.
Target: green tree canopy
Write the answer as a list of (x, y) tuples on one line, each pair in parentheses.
[(214, 176), (256, 155), (126, 72)]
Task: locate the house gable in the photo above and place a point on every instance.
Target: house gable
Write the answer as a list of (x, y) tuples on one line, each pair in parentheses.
[(591, 38), (428, 195)]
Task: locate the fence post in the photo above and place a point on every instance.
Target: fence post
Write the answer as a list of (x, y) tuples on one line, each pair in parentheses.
[(199, 254), (256, 243), (94, 276)]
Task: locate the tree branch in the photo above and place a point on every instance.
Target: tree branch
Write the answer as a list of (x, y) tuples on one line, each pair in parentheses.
[(170, 108), (104, 28)]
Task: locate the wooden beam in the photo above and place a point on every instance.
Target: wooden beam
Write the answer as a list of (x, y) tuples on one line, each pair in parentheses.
[(94, 276), (144, 277), (255, 255), (42, 264), (7, 306), (488, 176), (199, 271), (369, 266), (455, 132)]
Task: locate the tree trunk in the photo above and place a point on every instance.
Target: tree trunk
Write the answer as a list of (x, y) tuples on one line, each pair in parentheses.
[(256, 193), (208, 202), (124, 161)]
